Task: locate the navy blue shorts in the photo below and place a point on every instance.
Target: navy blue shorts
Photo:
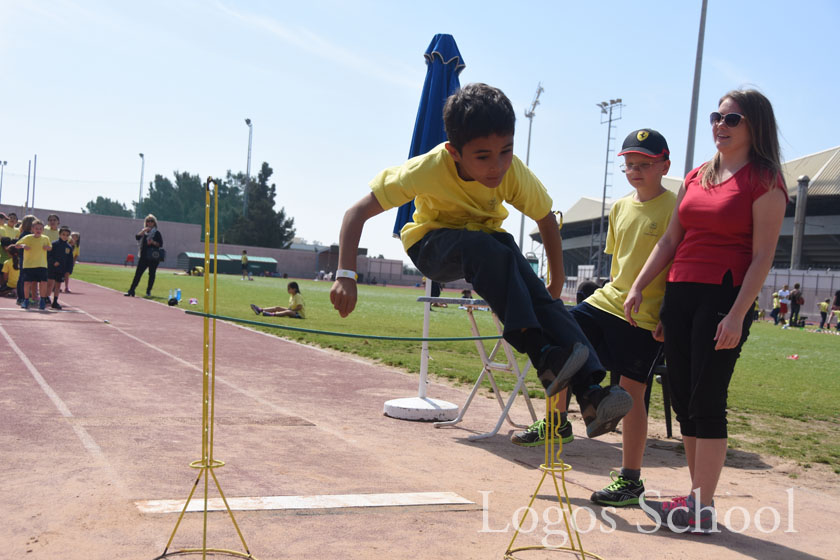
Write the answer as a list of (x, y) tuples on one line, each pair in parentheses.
[(56, 273), (622, 348), (34, 274)]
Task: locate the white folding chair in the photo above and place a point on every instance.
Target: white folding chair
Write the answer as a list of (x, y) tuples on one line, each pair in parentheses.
[(488, 366)]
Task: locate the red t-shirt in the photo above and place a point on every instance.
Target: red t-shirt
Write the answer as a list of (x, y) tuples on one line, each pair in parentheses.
[(718, 226)]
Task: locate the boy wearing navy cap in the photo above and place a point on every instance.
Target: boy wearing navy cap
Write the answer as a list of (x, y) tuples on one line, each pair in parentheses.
[(636, 223)]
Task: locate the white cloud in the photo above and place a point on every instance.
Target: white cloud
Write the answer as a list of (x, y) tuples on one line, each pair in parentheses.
[(309, 41)]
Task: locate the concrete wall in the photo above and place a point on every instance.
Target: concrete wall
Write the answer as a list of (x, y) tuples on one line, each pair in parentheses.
[(110, 239)]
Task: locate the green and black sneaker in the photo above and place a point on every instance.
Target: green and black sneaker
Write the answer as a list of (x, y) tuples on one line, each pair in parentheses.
[(535, 434), (622, 492)]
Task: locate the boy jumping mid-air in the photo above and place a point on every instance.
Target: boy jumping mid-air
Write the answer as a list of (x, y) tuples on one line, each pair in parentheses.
[(458, 189)]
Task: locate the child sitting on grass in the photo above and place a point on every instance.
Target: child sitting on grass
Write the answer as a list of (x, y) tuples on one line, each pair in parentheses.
[(295, 309)]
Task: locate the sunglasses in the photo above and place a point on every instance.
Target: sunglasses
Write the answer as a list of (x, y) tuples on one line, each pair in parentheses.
[(731, 120)]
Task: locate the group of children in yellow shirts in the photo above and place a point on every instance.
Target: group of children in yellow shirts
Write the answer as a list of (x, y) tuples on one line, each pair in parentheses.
[(826, 310), (36, 259)]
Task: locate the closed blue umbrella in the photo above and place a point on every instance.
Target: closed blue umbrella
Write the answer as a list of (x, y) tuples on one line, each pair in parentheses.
[(443, 64)]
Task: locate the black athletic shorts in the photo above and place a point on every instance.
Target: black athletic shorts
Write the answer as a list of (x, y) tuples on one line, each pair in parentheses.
[(622, 348)]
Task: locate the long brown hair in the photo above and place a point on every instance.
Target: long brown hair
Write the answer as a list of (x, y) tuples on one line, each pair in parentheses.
[(764, 140)]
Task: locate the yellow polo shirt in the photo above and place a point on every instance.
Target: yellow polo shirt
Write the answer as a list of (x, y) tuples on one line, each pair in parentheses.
[(634, 229), (36, 256), (294, 301), (444, 200), (51, 233), (11, 274)]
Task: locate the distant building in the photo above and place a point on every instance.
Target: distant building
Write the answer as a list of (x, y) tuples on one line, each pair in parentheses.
[(821, 243)]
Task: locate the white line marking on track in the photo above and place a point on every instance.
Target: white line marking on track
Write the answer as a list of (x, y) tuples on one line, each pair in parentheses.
[(89, 443), (233, 386), (271, 405), (246, 328), (306, 502)]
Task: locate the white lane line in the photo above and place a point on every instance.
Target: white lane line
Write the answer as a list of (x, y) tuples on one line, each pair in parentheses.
[(233, 386), (247, 328), (330, 501), (42, 311), (88, 442)]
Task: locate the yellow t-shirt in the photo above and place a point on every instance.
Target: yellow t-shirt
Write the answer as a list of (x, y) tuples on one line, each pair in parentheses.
[(444, 200), (824, 306), (11, 274), (36, 256), (75, 252), (244, 260), (837, 315), (294, 301), (634, 229), (52, 234), (776, 302), (10, 232)]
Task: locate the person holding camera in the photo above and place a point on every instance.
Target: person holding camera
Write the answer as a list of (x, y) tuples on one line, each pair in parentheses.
[(151, 254)]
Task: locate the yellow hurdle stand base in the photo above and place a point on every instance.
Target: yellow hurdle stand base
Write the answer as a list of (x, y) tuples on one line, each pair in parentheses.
[(552, 466)]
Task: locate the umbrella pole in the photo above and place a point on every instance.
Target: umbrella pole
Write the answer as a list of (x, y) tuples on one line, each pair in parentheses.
[(422, 407), (424, 352)]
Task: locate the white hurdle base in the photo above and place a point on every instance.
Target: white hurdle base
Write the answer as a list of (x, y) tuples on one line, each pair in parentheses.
[(421, 408)]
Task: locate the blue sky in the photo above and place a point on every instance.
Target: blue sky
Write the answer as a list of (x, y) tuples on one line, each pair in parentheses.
[(332, 89)]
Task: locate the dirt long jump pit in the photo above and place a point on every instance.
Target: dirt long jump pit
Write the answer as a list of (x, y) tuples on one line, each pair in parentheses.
[(101, 415)]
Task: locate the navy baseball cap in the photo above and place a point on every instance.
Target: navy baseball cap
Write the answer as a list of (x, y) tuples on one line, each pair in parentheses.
[(647, 142)]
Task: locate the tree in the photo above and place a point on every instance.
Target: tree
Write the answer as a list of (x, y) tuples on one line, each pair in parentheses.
[(263, 226), (107, 207), (183, 201)]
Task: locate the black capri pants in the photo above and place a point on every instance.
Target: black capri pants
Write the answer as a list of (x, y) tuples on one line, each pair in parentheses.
[(699, 375)]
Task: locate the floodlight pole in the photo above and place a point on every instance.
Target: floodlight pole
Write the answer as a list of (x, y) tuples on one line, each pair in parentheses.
[(2, 166), (529, 114), (140, 196), (695, 92), (247, 169), (607, 108), (28, 177), (34, 175)]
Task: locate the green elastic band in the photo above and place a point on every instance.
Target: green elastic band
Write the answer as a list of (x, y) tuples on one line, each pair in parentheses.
[(348, 335)]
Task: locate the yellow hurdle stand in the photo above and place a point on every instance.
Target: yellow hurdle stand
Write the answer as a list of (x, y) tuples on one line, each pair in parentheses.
[(208, 463), (553, 465)]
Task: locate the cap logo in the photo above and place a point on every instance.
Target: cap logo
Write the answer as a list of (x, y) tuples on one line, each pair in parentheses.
[(642, 135)]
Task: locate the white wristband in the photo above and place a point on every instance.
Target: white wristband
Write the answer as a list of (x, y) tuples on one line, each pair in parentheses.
[(342, 273)]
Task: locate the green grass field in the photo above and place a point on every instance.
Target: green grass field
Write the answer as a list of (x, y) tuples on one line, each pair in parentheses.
[(784, 407)]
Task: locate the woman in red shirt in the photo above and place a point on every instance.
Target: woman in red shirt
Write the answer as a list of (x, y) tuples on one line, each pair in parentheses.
[(730, 213)]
